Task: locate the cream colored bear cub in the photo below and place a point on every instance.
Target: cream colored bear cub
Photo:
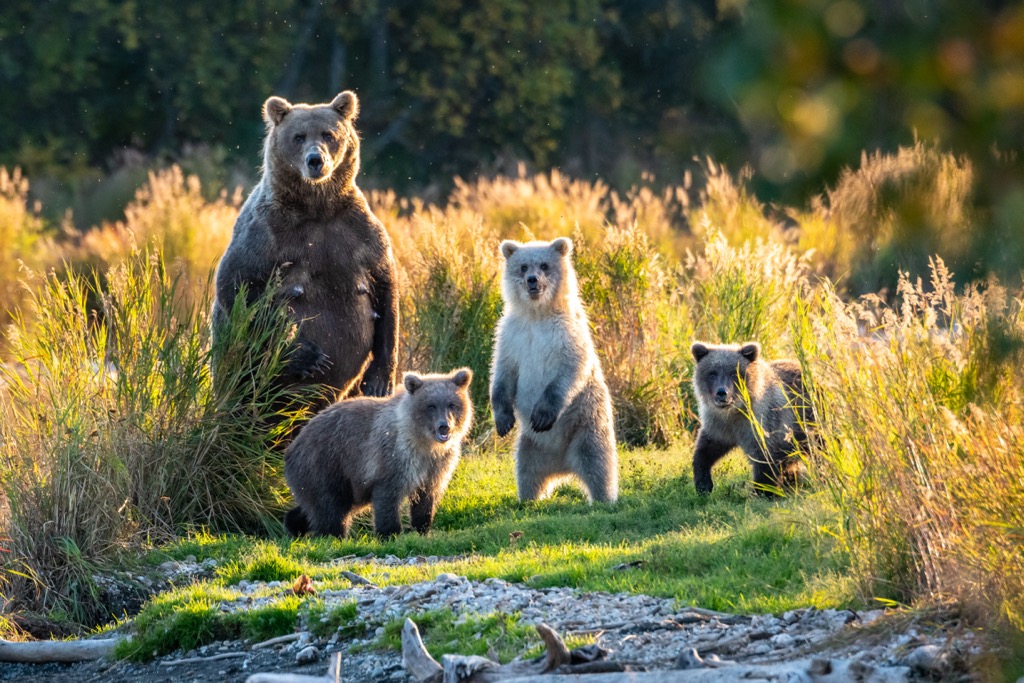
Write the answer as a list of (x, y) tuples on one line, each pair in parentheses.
[(547, 376)]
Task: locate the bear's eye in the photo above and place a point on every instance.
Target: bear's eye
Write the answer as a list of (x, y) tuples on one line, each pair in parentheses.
[(544, 267), (522, 268), (431, 407), (451, 407), (300, 137), (328, 136)]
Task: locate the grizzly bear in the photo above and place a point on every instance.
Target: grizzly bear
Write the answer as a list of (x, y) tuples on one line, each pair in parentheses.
[(306, 229), (769, 427), (547, 377), (379, 451)]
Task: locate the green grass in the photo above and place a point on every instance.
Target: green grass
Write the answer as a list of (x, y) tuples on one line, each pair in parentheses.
[(729, 551)]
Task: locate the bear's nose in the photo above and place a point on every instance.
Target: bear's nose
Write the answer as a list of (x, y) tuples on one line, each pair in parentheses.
[(314, 162), (532, 280), (721, 393), (443, 429)]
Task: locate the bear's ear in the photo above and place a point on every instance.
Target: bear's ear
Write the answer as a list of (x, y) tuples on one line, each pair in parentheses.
[(509, 247), (412, 382), (275, 109), (563, 245), (346, 104), (699, 351), (751, 351), (462, 378)]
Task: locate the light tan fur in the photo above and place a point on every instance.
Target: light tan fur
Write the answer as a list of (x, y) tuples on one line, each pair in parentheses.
[(547, 377), (379, 451)]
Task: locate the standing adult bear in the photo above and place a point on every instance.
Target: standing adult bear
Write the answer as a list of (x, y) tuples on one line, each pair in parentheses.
[(308, 229)]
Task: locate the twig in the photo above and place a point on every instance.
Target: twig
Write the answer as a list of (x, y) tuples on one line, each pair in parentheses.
[(278, 640), (198, 660), (356, 579)]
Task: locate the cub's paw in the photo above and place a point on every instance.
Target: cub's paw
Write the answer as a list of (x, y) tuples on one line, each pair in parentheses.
[(543, 417), (504, 421), (307, 360)]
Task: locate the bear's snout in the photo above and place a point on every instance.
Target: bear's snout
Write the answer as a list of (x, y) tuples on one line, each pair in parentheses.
[(315, 164), (443, 432)]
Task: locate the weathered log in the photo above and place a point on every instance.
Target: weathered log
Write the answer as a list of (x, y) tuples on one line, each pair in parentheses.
[(333, 675), (42, 651)]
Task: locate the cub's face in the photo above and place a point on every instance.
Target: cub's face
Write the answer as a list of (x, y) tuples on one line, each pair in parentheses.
[(441, 410), (313, 140), (718, 372), (534, 272)]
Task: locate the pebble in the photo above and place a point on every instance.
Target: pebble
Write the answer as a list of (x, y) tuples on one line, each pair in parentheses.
[(307, 655)]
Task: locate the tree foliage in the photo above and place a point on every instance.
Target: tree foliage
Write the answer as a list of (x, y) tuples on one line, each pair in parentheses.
[(796, 87)]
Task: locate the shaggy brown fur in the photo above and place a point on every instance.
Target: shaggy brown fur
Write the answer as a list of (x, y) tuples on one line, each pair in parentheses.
[(775, 390), (308, 223), (379, 451)]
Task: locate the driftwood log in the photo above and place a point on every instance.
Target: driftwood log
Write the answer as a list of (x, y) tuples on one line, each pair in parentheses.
[(333, 675), (42, 651), (588, 665)]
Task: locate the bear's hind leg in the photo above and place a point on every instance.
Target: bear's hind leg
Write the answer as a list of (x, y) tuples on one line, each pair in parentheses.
[(332, 514), (535, 469), (594, 459), (296, 522), (766, 475)]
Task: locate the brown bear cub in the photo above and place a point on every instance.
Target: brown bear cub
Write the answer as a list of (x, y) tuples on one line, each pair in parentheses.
[(776, 403), (379, 451), (307, 229), (546, 376)]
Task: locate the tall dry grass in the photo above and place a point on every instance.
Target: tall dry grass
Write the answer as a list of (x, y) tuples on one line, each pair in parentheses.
[(21, 232), (919, 408), (116, 431)]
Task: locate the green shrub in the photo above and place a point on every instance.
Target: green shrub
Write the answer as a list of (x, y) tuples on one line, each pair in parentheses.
[(116, 432)]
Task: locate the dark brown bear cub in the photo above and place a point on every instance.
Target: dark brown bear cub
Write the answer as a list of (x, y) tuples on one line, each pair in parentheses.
[(775, 391), (379, 451), (307, 229)]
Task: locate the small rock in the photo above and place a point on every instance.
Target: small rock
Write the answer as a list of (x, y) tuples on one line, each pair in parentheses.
[(446, 577), (170, 567), (927, 659), (782, 640), (307, 655)]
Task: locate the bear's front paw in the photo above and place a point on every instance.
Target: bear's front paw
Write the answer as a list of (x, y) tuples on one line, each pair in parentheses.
[(307, 360), (543, 417), (504, 421), (375, 385)]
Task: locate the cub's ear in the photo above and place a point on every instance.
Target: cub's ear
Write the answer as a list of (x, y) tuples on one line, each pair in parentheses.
[(462, 378), (563, 245), (509, 247), (699, 351), (346, 104), (751, 351), (275, 109), (412, 382)]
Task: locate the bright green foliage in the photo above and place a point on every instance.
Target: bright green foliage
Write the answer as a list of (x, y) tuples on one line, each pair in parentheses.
[(323, 620), (116, 427), (444, 633)]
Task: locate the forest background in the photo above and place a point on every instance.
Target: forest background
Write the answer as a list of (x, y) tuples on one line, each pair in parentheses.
[(796, 89)]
